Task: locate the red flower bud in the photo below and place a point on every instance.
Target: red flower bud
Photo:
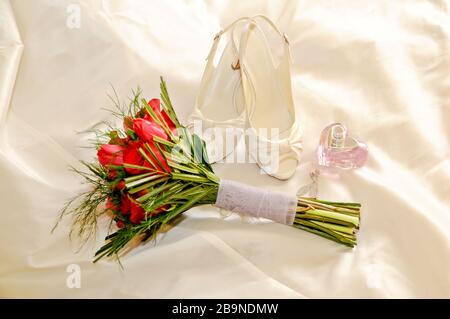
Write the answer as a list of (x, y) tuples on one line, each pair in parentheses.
[(161, 114), (120, 224), (110, 204), (112, 174), (131, 155), (137, 213), (110, 155), (120, 185), (145, 130), (125, 205)]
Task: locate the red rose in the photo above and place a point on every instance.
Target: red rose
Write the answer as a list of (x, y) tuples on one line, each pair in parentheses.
[(137, 213), (110, 155), (115, 174), (120, 224), (125, 205), (160, 157), (145, 130), (120, 185), (131, 155), (162, 115)]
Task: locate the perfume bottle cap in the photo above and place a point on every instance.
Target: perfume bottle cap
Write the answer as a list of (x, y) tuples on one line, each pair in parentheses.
[(337, 136)]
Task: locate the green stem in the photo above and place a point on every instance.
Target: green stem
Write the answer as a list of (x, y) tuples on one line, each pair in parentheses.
[(339, 228), (324, 213), (323, 219)]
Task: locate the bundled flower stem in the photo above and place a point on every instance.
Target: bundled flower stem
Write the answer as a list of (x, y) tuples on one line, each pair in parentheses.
[(332, 220), (153, 170)]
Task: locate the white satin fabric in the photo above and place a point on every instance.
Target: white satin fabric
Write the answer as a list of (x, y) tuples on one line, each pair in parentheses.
[(380, 67)]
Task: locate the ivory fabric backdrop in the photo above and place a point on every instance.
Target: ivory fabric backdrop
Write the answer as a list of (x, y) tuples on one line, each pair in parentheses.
[(380, 67)]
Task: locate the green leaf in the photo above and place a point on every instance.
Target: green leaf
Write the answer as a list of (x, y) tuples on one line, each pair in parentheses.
[(197, 146), (163, 199), (183, 168), (149, 161), (154, 192), (167, 103), (339, 228), (330, 232), (161, 166), (321, 233), (134, 190), (189, 178), (132, 134), (163, 141), (323, 219), (136, 177), (142, 180), (205, 157), (137, 167), (186, 205), (350, 219)]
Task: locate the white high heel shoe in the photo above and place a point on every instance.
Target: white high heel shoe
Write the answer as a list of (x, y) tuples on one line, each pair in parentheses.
[(265, 69), (220, 102)]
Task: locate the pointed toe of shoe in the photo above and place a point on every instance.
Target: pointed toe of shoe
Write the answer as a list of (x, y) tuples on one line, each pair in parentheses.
[(286, 168), (283, 170)]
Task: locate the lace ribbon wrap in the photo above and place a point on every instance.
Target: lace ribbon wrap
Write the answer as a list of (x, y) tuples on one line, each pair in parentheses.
[(256, 202)]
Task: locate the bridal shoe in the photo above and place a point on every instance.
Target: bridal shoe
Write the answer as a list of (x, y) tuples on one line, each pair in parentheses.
[(264, 59), (219, 107)]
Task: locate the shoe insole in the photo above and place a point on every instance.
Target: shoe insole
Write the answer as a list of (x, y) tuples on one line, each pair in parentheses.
[(267, 67), (223, 90)]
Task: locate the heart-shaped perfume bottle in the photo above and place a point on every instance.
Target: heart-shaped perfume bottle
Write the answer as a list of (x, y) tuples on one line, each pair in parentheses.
[(337, 149)]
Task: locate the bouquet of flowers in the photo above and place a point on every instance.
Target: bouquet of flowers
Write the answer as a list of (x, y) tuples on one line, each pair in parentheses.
[(153, 169)]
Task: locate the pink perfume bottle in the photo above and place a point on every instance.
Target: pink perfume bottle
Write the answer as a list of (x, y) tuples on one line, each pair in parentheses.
[(339, 150)]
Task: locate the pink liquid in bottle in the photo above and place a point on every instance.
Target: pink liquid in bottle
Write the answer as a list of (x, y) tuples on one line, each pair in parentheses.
[(338, 150)]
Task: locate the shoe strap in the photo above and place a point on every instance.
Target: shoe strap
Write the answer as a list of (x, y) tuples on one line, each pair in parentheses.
[(243, 46), (254, 23), (273, 25), (213, 49)]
